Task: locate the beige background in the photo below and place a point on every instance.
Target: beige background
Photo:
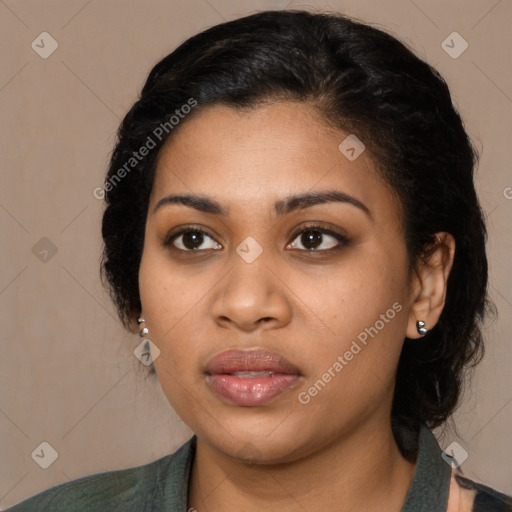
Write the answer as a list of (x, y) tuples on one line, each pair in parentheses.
[(68, 374)]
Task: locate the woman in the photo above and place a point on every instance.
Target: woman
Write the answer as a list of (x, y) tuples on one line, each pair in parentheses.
[(292, 221)]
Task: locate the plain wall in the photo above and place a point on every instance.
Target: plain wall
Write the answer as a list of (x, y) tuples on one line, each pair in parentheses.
[(68, 373)]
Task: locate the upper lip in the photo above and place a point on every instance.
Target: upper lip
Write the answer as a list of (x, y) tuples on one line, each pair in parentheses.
[(231, 361)]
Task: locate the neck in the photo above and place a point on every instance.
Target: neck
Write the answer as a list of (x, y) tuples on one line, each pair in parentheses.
[(361, 470)]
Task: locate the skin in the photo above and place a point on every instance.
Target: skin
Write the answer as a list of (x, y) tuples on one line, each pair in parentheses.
[(337, 451)]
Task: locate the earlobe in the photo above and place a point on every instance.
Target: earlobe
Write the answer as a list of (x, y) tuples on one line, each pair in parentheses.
[(420, 327), (143, 330), (135, 323), (431, 286)]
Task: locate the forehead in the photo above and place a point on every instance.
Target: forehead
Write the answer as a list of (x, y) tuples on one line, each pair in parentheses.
[(247, 156)]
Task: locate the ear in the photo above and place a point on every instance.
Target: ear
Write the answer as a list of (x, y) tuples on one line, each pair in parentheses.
[(429, 285), (134, 324)]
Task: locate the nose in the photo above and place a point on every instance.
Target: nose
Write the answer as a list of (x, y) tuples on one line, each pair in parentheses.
[(252, 295)]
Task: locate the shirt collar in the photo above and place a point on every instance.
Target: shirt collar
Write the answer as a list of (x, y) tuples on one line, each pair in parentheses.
[(431, 481), (428, 491)]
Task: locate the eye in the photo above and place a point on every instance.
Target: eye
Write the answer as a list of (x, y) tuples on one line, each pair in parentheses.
[(313, 236), (189, 240)]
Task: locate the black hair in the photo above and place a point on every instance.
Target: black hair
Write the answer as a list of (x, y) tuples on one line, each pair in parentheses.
[(363, 81)]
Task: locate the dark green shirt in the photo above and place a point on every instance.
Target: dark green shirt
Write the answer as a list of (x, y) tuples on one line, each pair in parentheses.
[(162, 485)]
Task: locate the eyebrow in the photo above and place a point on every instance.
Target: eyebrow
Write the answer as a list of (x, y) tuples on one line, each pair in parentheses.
[(282, 207)]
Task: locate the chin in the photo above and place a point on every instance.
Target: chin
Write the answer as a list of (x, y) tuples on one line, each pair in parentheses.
[(256, 446)]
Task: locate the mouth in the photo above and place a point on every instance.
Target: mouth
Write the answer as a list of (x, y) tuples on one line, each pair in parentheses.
[(250, 377)]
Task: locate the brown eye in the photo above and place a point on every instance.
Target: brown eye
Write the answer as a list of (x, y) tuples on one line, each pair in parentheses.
[(314, 238), (310, 239), (192, 240)]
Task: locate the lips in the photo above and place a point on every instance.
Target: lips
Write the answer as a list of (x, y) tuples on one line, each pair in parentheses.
[(232, 361), (250, 377)]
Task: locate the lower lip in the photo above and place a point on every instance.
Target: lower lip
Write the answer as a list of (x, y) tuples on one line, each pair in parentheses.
[(251, 391)]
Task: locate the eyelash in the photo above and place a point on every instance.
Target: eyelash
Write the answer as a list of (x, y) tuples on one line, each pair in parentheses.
[(343, 240)]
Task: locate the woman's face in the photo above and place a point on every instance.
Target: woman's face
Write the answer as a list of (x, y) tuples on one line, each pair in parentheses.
[(275, 337)]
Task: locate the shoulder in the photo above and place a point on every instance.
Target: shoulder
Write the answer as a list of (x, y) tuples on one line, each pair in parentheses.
[(486, 498), (467, 495), (132, 489), (112, 490), (437, 483)]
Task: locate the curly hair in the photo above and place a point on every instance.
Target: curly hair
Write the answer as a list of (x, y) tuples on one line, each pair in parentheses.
[(361, 80)]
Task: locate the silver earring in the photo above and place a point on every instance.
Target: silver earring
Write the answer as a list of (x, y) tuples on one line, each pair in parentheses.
[(143, 331), (420, 327)]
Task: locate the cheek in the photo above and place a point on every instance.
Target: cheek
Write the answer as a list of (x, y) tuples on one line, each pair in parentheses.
[(173, 301), (161, 303), (353, 296), (167, 305), (166, 294), (362, 328)]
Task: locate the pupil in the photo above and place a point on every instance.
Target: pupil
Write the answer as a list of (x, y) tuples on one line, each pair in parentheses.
[(192, 239), (313, 238)]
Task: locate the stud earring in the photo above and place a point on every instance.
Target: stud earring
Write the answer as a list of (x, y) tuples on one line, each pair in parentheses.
[(420, 327), (143, 331)]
